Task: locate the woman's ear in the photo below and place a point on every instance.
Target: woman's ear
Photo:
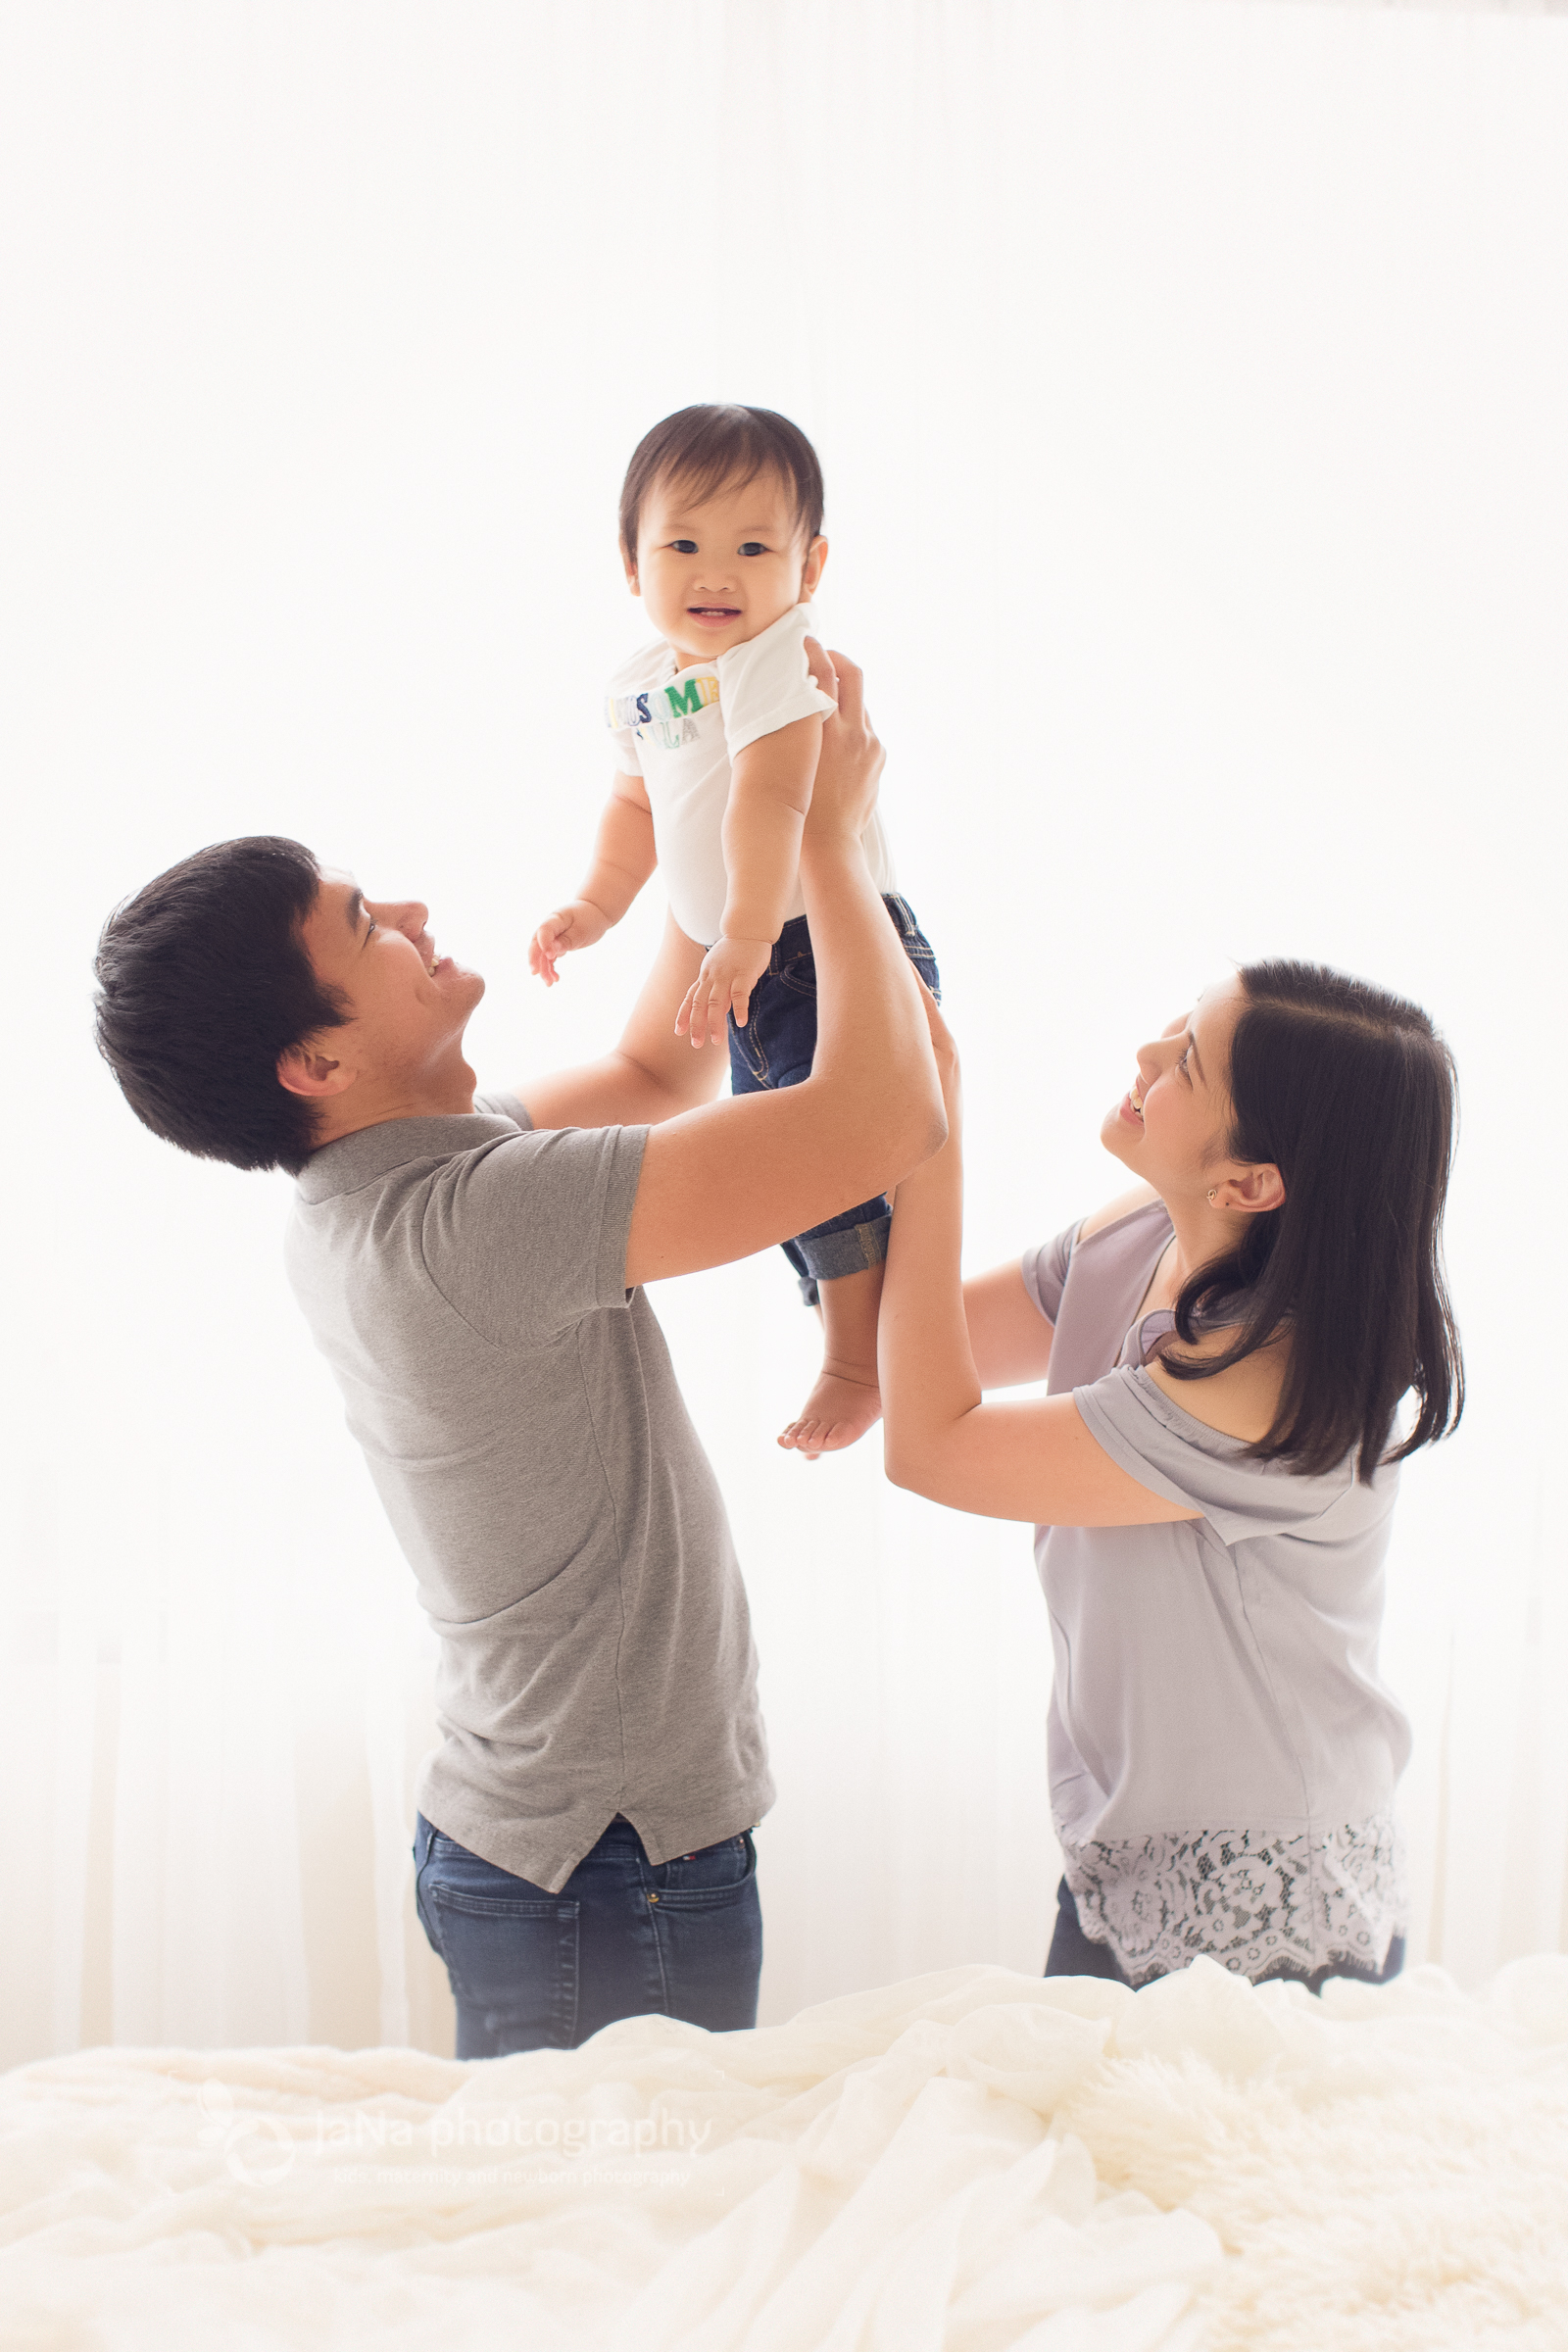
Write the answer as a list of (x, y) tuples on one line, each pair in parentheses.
[(1256, 1189)]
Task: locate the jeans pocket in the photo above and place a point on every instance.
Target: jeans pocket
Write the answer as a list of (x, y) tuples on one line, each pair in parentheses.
[(489, 1942), (799, 975), (513, 1964), (708, 1879)]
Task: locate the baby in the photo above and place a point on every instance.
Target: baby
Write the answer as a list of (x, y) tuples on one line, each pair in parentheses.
[(718, 726)]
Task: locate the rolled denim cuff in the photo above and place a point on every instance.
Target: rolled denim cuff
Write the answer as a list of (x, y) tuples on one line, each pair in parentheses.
[(829, 1255)]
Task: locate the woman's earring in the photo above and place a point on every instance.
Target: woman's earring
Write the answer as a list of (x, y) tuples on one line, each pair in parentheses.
[(1211, 1199)]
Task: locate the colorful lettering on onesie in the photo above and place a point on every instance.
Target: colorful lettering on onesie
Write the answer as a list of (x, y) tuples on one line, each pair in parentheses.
[(680, 730)]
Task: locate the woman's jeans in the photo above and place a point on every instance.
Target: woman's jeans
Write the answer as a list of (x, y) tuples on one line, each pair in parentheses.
[(775, 1048), (1074, 1954), (624, 1938)]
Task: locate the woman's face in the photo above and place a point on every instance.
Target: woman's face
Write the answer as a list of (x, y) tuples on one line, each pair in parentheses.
[(1172, 1125)]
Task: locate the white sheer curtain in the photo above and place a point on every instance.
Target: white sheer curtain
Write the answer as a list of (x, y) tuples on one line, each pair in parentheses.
[(1190, 381)]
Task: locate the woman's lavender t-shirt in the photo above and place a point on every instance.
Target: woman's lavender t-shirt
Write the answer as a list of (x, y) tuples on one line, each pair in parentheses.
[(1222, 1752)]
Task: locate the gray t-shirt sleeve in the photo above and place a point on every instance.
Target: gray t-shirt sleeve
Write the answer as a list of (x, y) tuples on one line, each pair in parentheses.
[(527, 1235), (504, 1104), (1166, 1450), (1045, 1271)]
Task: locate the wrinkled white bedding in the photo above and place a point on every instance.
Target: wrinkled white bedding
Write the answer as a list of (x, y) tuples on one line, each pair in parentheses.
[(971, 2162)]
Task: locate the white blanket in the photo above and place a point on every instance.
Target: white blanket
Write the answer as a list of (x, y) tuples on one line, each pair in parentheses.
[(972, 2162)]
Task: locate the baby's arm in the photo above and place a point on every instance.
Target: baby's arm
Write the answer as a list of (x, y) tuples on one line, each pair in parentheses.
[(770, 794), (623, 859)]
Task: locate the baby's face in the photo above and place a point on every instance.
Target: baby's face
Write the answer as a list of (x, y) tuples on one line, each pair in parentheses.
[(715, 574)]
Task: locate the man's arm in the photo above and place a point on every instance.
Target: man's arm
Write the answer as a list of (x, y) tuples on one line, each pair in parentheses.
[(651, 1074), (723, 1182)]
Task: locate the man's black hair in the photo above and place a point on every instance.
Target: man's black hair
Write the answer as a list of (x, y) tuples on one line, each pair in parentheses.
[(203, 982)]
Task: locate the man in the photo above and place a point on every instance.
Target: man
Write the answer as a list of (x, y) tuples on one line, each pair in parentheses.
[(472, 1270)]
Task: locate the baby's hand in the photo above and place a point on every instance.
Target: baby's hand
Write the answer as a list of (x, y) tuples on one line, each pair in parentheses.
[(730, 970), (577, 924)]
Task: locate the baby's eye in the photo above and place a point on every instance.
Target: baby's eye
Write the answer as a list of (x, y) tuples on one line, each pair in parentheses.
[(684, 547), (752, 547)]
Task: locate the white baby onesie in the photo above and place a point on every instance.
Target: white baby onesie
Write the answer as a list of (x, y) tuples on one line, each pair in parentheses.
[(679, 729)]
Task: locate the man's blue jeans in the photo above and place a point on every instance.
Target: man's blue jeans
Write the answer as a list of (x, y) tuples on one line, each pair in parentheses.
[(624, 1938)]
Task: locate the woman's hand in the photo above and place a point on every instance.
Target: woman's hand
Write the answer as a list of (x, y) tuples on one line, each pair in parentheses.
[(852, 760)]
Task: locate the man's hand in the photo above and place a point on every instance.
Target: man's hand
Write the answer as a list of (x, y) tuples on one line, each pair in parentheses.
[(729, 972), (852, 760), (577, 924)]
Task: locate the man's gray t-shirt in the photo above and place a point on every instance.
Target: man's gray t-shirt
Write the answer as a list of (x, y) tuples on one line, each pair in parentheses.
[(464, 1278)]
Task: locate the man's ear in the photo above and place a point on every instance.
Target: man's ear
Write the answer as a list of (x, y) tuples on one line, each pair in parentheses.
[(812, 568), (304, 1069)]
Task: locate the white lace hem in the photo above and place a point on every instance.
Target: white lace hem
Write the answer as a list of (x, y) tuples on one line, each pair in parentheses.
[(1258, 1905)]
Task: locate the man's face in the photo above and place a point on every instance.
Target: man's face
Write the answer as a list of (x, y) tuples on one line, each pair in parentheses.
[(407, 1008)]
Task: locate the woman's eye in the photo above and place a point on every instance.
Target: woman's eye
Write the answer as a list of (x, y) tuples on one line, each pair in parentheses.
[(752, 547), (684, 547)]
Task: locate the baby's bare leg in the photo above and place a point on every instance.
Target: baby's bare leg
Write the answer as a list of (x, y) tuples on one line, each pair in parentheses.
[(845, 1401)]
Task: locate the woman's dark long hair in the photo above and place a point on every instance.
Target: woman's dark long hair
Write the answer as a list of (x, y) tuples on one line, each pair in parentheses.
[(1350, 1093)]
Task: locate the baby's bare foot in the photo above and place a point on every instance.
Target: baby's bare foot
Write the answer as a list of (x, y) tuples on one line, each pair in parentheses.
[(837, 1412)]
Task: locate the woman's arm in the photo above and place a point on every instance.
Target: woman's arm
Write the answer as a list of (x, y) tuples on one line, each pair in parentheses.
[(770, 794), (1033, 1460), (1009, 1337)]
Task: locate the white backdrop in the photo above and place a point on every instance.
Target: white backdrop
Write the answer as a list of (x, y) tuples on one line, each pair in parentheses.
[(1190, 379)]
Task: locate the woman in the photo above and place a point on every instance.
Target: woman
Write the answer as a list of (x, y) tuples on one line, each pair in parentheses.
[(1212, 1469)]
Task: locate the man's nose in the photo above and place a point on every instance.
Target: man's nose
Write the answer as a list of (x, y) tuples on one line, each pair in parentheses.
[(402, 915)]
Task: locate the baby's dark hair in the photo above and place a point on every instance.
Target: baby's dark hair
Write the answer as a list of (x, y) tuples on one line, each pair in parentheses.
[(706, 447)]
